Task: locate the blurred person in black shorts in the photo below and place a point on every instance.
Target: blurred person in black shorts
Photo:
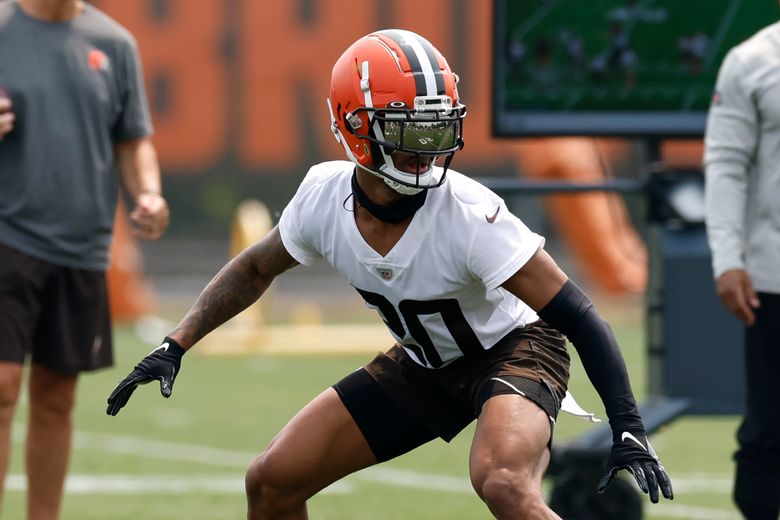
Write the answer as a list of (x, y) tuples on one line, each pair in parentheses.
[(475, 303), (742, 154), (72, 105)]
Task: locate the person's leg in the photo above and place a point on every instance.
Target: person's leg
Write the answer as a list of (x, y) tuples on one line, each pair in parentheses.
[(757, 482), (49, 431), (320, 445), (10, 384), (21, 287), (73, 334), (509, 456), (355, 424)]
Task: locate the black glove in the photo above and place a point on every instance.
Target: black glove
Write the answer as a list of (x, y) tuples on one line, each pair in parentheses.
[(633, 452), (162, 363)]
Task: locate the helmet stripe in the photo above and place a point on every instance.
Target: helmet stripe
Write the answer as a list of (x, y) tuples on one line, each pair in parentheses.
[(438, 76), (422, 61)]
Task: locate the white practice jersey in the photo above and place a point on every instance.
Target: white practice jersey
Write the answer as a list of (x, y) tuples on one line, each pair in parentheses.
[(438, 290)]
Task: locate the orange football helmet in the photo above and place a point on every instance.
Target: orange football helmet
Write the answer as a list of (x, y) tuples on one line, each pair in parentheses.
[(392, 91)]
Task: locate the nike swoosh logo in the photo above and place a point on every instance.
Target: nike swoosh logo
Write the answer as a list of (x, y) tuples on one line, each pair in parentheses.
[(492, 219), (627, 435), (164, 346)]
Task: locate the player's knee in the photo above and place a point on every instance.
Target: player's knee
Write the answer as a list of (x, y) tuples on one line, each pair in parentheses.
[(258, 480), (503, 487), (265, 489)]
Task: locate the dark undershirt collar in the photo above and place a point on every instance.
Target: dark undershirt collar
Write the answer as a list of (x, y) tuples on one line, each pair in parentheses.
[(394, 213)]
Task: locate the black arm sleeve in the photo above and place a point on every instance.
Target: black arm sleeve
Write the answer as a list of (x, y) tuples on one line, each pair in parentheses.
[(571, 312)]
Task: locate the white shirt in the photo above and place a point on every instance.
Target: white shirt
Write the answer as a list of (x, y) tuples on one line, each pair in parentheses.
[(438, 289), (742, 159)]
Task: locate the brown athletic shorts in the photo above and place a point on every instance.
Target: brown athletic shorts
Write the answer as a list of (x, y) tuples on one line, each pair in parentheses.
[(57, 315), (532, 361)]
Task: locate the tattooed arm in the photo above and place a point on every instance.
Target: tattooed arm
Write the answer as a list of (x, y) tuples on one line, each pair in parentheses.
[(237, 286)]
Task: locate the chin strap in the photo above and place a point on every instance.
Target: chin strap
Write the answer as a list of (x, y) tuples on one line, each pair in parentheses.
[(394, 213), (403, 189)]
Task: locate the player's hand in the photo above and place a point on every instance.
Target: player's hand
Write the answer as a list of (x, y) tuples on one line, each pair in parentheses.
[(736, 293), (6, 116), (633, 452), (161, 364)]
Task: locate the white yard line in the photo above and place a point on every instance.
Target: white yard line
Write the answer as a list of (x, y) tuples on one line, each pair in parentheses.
[(151, 449), (414, 479), (723, 27), (156, 484), (698, 483), (532, 21), (666, 510)]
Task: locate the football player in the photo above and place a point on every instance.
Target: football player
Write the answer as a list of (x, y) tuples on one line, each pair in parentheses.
[(479, 309)]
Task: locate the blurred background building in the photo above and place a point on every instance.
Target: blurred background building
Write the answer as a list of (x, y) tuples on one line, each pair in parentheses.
[(237, 90)]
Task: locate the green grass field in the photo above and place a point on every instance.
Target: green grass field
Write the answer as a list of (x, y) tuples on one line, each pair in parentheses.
[(185, 458)]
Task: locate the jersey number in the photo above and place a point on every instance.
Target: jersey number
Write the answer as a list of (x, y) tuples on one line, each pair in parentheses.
[(411, 310)]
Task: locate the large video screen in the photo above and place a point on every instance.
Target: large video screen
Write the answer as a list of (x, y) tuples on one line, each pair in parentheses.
[(613, 67)]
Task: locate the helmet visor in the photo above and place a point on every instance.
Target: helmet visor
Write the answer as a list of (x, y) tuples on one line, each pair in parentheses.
[(433, 136)]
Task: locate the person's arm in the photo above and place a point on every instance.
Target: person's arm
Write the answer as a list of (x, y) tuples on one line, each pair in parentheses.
[(545, 288), (136, 161), (237, 286), (542, 285), (730, 143)]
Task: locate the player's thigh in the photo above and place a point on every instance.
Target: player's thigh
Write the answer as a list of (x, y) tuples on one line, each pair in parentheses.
[(512, 435), (320, 445)]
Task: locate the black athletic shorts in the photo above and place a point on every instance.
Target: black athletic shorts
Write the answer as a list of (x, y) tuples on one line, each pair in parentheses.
[(399, 405), (57, 315)]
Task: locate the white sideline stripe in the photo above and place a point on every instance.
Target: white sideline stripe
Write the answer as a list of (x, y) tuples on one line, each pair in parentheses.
[(126, 445), (118, 483), (690, 512), (704, 484), (162, 450), (156, 484), (414, 479)]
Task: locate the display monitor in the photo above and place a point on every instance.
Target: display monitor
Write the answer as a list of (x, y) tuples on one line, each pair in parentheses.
[(613, 67)]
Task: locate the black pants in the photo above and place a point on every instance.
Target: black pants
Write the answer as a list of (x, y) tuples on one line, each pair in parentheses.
[(757, 485)]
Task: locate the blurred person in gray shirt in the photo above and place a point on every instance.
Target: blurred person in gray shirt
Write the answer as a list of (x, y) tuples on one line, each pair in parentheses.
[(73, 112), (742, 165)]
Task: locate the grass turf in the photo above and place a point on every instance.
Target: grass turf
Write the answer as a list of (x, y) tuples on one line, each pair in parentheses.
[(226, 409)]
